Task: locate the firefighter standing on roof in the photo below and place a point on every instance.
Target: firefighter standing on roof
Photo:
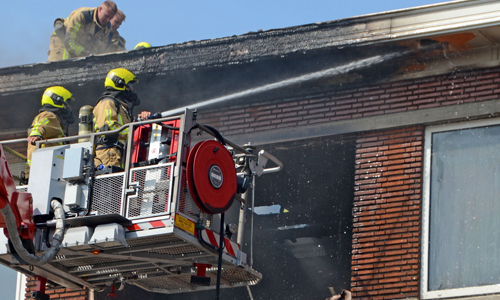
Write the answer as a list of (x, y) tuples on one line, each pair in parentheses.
[(113, 110), (84, 32), (54, 117), (116, 41)]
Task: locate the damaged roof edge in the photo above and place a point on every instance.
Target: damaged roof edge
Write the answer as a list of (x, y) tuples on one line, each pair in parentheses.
[(433, 19), (423, 21)]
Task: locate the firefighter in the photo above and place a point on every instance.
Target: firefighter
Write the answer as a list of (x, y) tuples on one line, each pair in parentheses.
[(113, 110), (51, 122), (84, 32), (116, 41)]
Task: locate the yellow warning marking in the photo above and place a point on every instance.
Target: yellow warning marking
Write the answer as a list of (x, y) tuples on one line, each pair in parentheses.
[(60, 157), (185, 224)]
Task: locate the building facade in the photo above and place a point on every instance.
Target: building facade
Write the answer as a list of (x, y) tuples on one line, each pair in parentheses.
[(386, 125)]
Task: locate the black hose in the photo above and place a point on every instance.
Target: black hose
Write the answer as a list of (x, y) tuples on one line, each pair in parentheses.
[(216, 133), (90, 184), (219, 264)]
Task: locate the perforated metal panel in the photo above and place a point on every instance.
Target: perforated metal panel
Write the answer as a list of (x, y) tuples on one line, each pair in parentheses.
[(85, 262), (154, 192), (183, 250), (132, 269), (235, 275), (178, 284), (107, 194), (231, 277), (153, 240), (186, 203), (173, 246)]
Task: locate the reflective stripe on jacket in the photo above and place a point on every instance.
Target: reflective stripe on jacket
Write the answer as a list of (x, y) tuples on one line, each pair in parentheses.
[(46, 125), (105, 113), (84, 34)]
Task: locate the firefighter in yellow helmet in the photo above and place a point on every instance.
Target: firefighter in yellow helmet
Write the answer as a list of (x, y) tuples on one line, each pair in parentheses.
[(51, 121), (142, 45), (113, 110)]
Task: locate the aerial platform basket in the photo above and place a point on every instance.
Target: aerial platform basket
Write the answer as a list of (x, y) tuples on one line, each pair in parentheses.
[(156, 223)]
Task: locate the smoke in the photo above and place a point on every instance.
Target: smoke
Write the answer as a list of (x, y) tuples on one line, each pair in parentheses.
[(295, 80)]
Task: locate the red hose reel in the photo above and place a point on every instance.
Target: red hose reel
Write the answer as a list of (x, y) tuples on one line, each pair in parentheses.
[(211, 177)]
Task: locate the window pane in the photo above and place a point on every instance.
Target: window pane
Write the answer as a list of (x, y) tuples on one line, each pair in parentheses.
[(464, 209), (8, 282)]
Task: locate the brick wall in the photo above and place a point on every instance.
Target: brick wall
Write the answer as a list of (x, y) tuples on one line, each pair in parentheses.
[(59, 293), (386, 225)]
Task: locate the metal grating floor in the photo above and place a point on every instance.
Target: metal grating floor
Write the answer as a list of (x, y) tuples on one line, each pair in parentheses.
[(162, 263), (153, 240), (69, 262), (181, 283)]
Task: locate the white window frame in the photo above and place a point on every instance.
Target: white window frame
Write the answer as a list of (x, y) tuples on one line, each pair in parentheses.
[(450, 293), (20, 286)]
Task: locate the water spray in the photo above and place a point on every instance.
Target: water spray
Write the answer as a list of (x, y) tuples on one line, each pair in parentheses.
[(303, 78)]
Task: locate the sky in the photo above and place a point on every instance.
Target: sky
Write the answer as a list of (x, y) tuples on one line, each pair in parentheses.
[(27, 25)]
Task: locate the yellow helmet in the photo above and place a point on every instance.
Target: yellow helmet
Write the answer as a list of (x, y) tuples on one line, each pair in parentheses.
[(142, 45), (118, 79), (56, 96)]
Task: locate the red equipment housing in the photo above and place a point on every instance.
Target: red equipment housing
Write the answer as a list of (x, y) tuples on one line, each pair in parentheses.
[(20, 202)]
